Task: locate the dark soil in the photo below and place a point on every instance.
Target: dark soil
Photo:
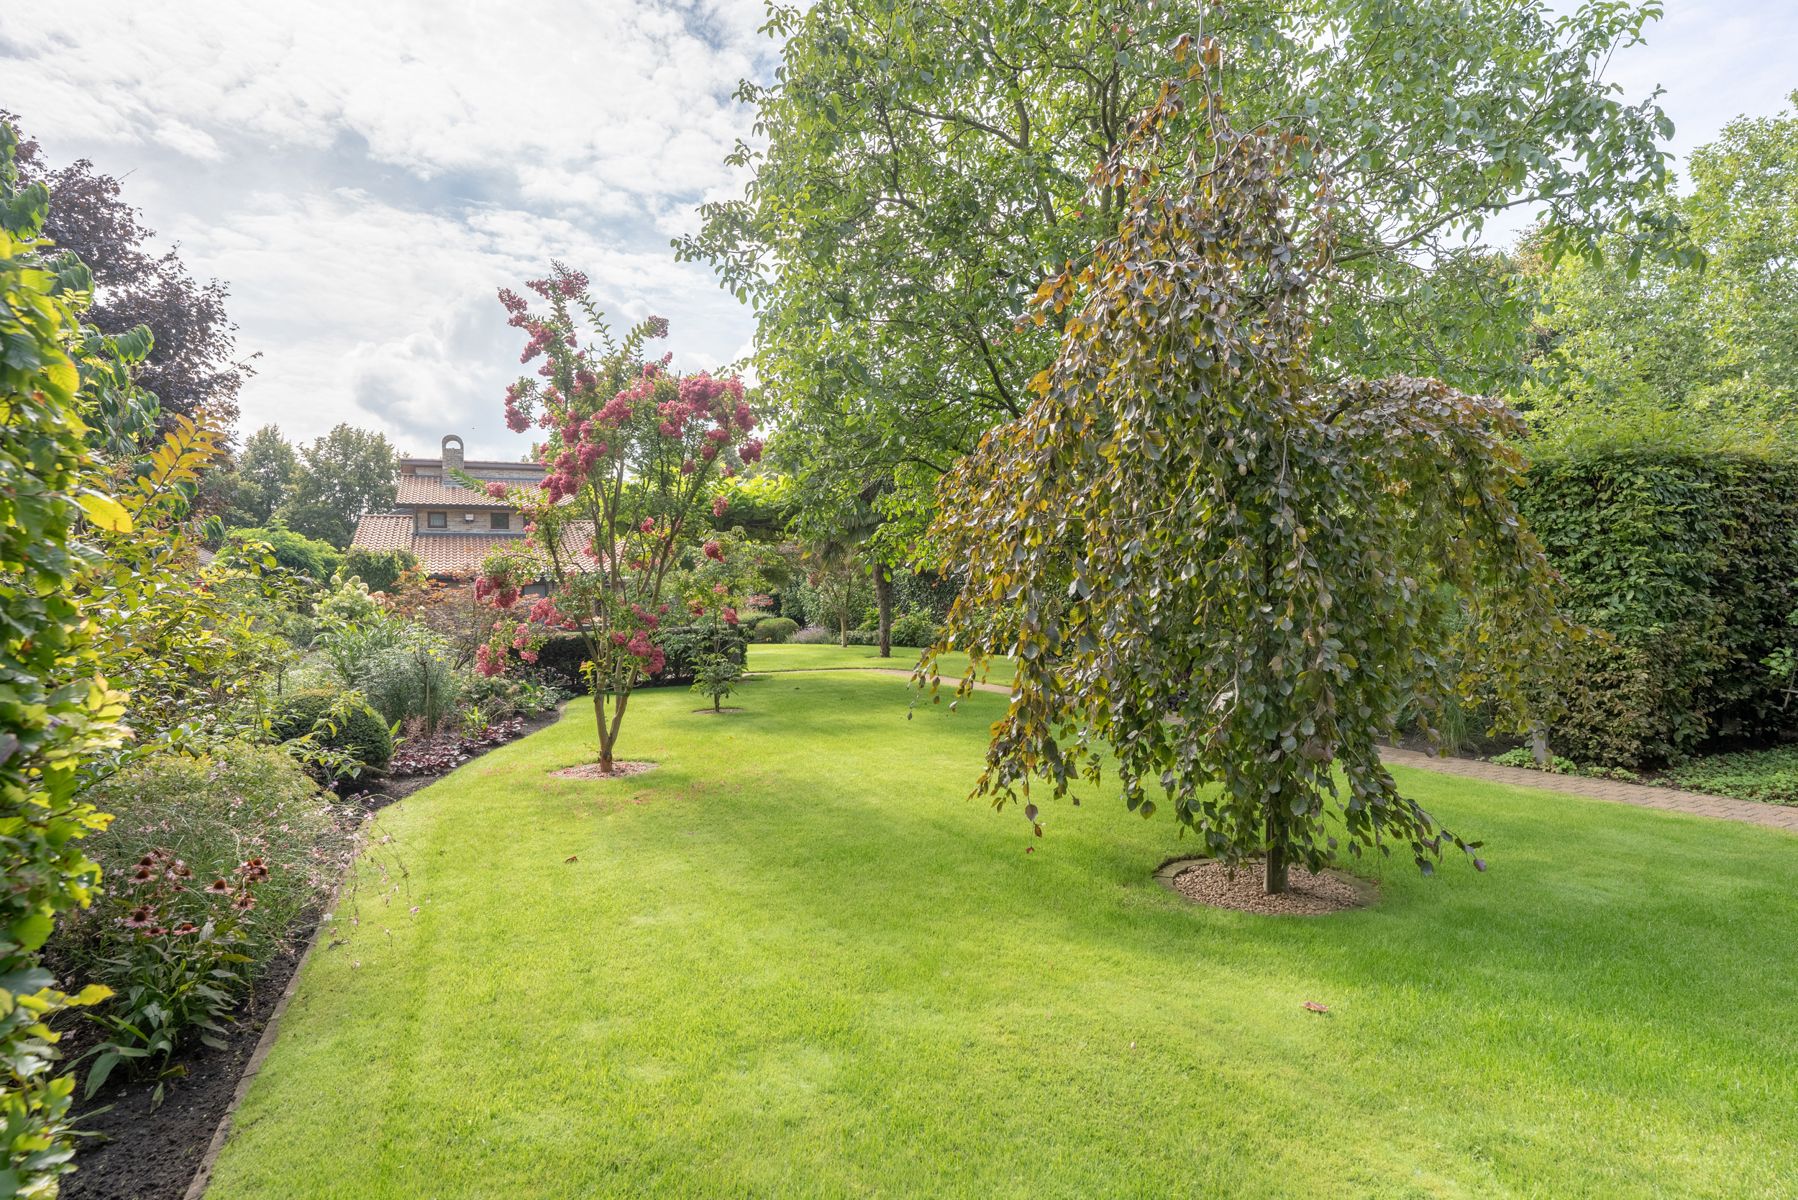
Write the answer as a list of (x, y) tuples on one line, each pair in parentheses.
[(140, 1153)]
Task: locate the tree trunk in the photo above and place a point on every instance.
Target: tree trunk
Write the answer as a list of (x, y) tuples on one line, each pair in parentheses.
[(717, 702), (843, 632), (883, 598), (1275, 881), (599, 720)]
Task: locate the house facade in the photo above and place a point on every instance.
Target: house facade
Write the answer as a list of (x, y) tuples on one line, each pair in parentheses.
[(447, 527)]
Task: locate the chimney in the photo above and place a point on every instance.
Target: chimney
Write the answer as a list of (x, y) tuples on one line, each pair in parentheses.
[(452, 455)]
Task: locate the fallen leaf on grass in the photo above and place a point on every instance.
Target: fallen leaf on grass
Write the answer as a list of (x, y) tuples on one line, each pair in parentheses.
[(1314, 1006), (572, 858)]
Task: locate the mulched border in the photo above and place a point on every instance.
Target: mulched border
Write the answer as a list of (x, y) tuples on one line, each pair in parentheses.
[(168, 1154), (1341, 892)]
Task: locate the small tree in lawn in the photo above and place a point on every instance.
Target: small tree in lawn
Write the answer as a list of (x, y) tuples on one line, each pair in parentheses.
[(630, 453), (1230, 570), (726, 569)]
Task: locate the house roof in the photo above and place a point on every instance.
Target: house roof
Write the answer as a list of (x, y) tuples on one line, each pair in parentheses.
[(426, 490), (453, 553)]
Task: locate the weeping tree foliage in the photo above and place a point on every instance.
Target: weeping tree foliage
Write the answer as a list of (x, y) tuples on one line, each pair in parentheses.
[(1228, 569)]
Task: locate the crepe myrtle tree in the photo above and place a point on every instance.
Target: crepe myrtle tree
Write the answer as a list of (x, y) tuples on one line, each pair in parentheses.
[(631, 454), (1229, 569)]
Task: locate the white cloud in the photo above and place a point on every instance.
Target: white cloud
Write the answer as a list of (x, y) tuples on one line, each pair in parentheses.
[(381, 316), (366, 175)]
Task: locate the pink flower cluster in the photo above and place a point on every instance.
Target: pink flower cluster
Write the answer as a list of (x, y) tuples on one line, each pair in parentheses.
[(503, 594)]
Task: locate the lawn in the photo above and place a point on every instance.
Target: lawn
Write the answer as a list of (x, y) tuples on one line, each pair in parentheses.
[(818, 658), (796, 961)]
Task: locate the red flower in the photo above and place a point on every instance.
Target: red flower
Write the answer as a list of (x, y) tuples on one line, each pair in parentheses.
[(719, 504), (730, 616), (714, 551), (649, 525)]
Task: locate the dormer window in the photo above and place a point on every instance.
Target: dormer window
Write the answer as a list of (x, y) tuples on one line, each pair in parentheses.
[(436, 520)]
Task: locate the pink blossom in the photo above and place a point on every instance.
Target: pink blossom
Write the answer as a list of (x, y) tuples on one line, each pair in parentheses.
[(719, 504), (751, 451), (496, 489), (649, 525), (714, 551), (730, 615), (688, 466)]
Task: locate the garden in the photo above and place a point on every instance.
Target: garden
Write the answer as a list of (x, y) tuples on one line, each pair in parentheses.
[(970, 748)]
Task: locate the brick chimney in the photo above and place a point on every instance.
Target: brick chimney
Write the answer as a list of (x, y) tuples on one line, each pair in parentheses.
[(452, 455)]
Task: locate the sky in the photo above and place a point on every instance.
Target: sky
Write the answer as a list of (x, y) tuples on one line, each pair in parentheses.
[(365, 176)]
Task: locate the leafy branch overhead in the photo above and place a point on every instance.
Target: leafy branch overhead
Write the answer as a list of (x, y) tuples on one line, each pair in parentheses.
[(926, 163), (1224, 568)]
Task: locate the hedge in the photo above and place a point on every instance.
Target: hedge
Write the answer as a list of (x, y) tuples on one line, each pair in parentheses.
[(1690, 562), (561, 656)]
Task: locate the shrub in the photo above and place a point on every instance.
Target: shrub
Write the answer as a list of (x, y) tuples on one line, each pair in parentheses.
[(775, 630), (1769, 775), (1685, 557), (560, 657), (501, 696), (413, 680), (748, 619), (914, 629), (209, 865), (315, 559), (379, 569), (337, 720), (687, 646), (815, 635)]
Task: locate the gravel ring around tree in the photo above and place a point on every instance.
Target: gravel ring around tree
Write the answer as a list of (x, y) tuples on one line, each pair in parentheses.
[(1308, 894)]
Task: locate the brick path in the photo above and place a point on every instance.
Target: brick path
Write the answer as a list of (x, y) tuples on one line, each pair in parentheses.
[(1772, 816)]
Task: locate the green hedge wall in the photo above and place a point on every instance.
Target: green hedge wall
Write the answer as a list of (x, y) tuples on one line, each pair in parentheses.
[(1690, 561), (561, 656)]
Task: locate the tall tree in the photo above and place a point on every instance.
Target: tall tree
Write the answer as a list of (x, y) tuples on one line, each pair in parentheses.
[(194, 366), (1714, 330), (928, 160), (268, 463), (342, 475), (1229, 571)]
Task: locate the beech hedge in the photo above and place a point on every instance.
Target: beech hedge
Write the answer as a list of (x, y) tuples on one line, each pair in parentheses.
[(1689, 560)]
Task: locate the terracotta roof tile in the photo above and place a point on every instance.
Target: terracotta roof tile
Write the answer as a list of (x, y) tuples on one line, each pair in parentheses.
[(384, 531), (450, 553), (425, 490)]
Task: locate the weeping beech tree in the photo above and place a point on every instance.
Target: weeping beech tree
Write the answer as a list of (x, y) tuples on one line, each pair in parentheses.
[(1226, 568)]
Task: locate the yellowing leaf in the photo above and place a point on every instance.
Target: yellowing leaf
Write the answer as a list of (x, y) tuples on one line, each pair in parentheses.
[(105, 512)]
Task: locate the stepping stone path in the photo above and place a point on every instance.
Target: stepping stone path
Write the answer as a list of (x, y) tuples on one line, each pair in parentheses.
[(1772, 816)]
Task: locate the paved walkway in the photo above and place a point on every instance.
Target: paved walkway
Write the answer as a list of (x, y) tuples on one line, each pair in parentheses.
[(1773, 816)]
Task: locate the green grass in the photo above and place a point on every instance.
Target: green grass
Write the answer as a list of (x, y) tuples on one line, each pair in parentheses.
[(796, 961), (820, 658)]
